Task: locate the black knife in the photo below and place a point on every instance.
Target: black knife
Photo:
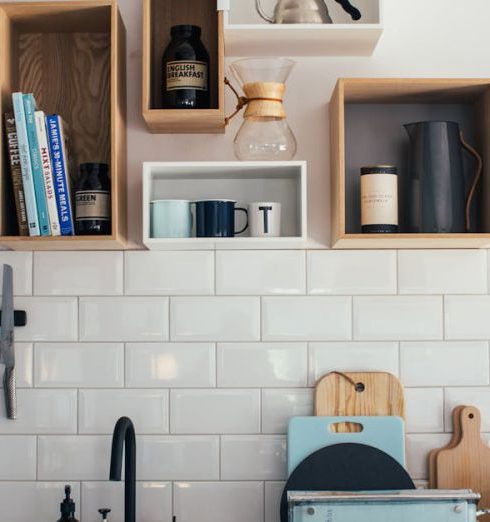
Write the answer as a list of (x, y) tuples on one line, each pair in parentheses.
[(7, 350)]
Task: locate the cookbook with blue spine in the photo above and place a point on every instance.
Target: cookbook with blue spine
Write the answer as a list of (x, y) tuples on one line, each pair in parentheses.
[(25, 164), (59, 159)]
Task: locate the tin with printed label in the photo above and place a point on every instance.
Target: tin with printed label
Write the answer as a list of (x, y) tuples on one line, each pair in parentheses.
[(379, 199)]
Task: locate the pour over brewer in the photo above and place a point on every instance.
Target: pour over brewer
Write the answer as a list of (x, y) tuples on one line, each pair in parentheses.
[(304, 12)]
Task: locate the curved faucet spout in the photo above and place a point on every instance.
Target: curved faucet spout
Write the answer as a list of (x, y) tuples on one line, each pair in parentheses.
[(125, 437)]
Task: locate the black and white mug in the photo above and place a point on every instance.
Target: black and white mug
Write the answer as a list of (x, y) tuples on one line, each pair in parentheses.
[(264, 219)]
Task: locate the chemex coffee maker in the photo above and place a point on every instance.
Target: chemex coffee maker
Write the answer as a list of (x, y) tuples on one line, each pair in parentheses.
[(304, 12)]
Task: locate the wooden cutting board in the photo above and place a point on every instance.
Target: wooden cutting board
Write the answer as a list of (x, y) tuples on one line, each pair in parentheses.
[(467, 465), (456, 437), (359, 394)]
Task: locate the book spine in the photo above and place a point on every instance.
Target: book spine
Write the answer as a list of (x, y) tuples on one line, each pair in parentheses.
[(16, 174), (61, 177), (37, 169), (42, 139), (25, 164)]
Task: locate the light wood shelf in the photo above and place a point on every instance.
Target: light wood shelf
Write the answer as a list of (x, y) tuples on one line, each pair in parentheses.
[(158, 17), (245, 182), (40, 48), (365, 120)]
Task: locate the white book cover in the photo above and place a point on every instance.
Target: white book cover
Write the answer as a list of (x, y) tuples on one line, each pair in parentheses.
[(47, 173)]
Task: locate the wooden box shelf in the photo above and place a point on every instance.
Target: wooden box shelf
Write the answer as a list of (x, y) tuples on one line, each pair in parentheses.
[(245, 182), (158, 17), (246, 34), (367, 116), (71, 55)]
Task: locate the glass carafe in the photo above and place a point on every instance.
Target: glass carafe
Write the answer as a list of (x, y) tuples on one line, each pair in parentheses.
[(265, 133)]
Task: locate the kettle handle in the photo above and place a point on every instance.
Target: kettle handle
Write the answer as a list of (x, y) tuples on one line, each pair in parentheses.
[(479, 170), (262, 13)]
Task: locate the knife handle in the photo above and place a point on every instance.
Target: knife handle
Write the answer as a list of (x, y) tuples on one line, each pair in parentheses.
[(10, 396)]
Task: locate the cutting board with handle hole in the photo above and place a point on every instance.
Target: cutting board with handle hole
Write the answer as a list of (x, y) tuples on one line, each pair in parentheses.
[(359, 394), (309, 434), (467, 464), (455, 439)]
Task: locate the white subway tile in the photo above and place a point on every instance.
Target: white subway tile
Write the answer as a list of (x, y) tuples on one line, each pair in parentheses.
[(100, 410), (215, 411), (219, 501), (64, 365), (471, 396), (278, 406), (424, 410), (42, 411), (178, 458), (418, 449), (393, 318), (442, 272), (169, 273), (48, 319), (21, 501), (262, 365), (444, 363), (260, 273), (215, 319), (78, 273), (170, 365), (352, 357), (306, 318), (273, 494), (74, 457), (124, 319), (21, 263), (154, 501), (467, 317), (23, 365), (253, 457), (18, 457), (351, 272)]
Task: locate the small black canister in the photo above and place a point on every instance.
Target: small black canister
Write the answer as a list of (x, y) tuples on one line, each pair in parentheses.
[(379, 199), (185, 65), (93, 200)]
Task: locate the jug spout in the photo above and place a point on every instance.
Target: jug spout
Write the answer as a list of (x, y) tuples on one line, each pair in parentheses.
[(411, 128)]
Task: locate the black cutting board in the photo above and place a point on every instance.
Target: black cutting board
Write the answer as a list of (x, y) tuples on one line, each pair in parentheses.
[(346, 467)]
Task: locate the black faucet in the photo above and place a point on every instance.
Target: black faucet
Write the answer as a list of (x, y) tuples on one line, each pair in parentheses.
[(124, 435)]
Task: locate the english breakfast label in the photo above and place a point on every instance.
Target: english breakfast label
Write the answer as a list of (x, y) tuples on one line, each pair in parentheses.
[(187, 75)]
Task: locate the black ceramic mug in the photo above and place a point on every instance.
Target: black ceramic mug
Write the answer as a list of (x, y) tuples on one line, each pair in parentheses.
[(216, 218)]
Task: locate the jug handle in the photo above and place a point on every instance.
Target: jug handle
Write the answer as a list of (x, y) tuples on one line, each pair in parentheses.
[(262, 13), (474, 185)]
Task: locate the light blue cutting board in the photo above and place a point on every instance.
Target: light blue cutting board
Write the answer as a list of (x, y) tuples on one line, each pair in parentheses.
[(309, 434)]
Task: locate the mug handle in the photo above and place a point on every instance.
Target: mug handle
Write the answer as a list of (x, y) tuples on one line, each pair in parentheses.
[(246, 226), (479, 171)]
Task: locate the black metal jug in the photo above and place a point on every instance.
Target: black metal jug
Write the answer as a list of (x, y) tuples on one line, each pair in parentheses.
[(437, 202)]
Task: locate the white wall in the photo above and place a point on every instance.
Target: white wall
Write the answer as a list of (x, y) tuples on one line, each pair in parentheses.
[(211, 353)]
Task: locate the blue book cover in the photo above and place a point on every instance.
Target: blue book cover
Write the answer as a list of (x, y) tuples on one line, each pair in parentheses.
[(25, 164), (36, 165), (59, 158)]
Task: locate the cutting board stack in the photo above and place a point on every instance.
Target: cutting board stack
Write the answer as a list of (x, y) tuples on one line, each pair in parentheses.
[(355, 442), (465, 462)]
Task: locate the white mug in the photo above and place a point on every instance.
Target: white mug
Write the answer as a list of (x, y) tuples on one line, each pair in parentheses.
[(264, 219)]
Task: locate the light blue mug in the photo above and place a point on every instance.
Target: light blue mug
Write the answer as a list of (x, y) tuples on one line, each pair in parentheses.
[(170, 218)]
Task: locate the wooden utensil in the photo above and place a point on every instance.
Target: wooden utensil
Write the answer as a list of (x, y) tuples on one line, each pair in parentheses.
[(456, 437), (467, 465), (359, 394)]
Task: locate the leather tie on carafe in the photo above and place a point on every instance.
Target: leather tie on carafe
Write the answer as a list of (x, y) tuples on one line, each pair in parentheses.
[(262, 100)]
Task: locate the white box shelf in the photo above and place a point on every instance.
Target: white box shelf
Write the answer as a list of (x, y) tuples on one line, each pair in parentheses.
[(246, 182), (246, 34)]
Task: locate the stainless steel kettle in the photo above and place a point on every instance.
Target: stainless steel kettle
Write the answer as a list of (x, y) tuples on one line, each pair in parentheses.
[(304, 12)]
